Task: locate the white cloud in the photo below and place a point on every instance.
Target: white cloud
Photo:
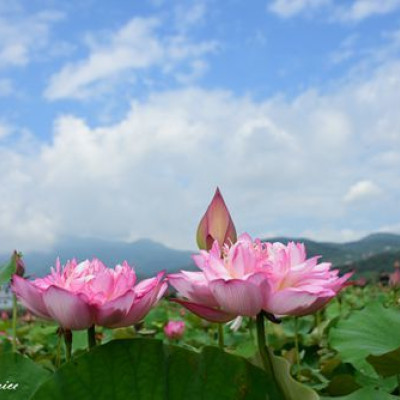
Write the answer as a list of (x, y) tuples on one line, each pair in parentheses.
[(346, 50), (290, 8), (188, 15), (334, 235), (362, 9), (334, 125), (387, 159), (5, 130), (197, 68), (390, 228), (352, 11), (283, 166), (134, 48), (23, 36), (362, 190)]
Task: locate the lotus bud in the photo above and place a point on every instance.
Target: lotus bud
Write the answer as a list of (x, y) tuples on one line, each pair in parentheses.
[(216, 224), (174, 329), (19, 264)]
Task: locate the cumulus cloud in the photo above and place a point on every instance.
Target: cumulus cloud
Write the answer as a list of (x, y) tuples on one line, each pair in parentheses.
[(23, 36), (132, 49), (152, 173), (352, 11), (362, 190)]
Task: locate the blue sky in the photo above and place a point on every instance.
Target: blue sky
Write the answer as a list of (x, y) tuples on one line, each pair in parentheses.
[(118, 120)]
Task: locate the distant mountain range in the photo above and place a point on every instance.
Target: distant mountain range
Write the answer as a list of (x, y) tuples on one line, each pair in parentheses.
[(148, 257), (376, 252)]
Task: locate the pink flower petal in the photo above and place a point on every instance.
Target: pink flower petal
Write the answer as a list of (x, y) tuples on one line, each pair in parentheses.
[(143, 302), (138, 310), (193, 286), (208, 313), (262, 281), (161, 292), (200, 260), (148, 284), (215, 267), (30, 296), (69, 310), (340, 283), (290, 302), (317, 305), (296, 252), (237, 297), (115, 311)]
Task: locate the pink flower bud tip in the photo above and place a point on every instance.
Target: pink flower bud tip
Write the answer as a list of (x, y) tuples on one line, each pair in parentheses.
[(216, 224)]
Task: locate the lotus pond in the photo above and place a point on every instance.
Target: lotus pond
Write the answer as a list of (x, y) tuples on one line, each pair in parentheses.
[(348, 350)]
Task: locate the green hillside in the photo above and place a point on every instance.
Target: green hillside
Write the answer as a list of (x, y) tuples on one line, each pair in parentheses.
[(382, 262), (375, 252)]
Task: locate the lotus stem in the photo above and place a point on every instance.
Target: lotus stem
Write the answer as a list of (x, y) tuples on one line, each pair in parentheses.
[(262, 346), (68, 344), (14, 323), (318, 324), (251, 327), (296, 344), (91, 337), (221, 343), (266, 353), (58, 355)]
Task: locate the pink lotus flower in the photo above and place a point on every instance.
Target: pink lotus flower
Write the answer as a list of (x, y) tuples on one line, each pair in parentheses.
[(360, 282), (80, 295), (394, 279), (216, 224), (174, 329), (251, 277), (4, 316)]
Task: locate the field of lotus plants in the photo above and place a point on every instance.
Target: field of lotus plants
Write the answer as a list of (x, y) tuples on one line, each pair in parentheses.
[(257, 320)]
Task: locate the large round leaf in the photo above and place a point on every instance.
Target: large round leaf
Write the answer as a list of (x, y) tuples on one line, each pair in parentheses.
[(367, 393), (21, 371), (372, 330), (292, 389), (387, 364), (146, 369)]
